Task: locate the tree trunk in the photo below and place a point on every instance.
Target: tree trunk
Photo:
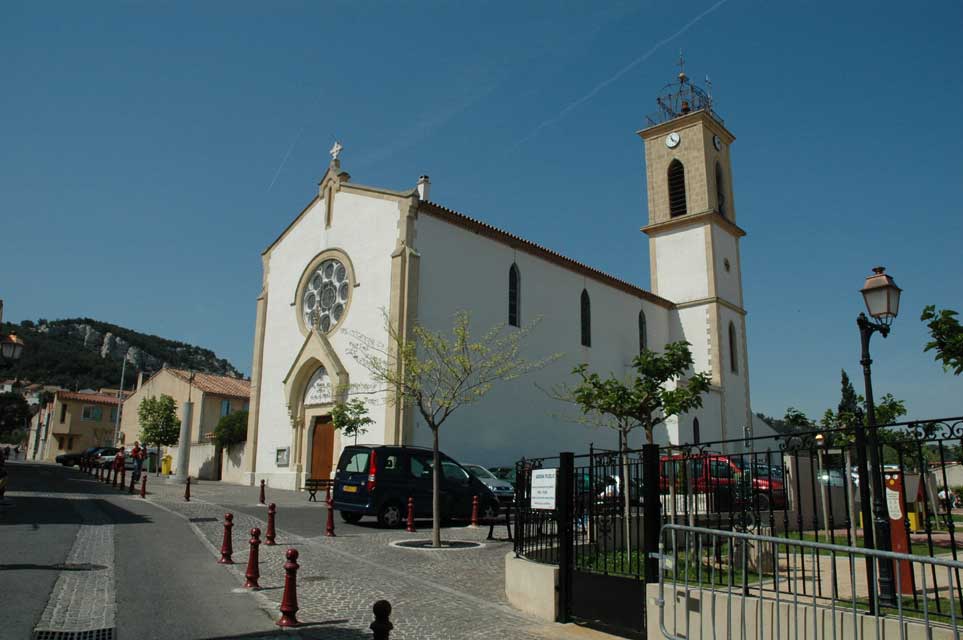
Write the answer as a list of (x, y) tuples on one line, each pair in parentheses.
[(435, 492)]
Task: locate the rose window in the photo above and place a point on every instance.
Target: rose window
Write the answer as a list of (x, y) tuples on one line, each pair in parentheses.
[(326, 295)]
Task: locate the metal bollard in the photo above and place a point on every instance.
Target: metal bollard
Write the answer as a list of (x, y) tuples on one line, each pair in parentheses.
[(289, 601), (269, 534), (253, 572), (132, 482), (410, 528), (329, 526), (474, 511), (143, 486), (260, 499), (382, 625), (187, 490), (227, 547)]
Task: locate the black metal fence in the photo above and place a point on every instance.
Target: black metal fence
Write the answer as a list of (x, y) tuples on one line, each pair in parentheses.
[(816, 486)]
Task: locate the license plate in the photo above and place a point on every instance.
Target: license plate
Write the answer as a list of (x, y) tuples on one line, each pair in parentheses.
[(349, 488)]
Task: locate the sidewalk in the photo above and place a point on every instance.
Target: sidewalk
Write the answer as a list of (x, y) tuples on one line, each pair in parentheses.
[(433, 594)]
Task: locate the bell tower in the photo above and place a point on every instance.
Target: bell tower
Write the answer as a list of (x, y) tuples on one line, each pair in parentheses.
[(694, 250)]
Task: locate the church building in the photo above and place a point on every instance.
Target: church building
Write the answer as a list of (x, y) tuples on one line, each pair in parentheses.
[(359, 256)]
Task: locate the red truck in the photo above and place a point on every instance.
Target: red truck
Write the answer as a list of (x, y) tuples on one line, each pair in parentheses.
[(721, 482)]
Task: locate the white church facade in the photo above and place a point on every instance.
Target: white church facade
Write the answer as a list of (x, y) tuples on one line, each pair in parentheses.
[(358, 256)]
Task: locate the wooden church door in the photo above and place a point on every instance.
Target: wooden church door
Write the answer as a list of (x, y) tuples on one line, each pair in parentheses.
[(322, 448)]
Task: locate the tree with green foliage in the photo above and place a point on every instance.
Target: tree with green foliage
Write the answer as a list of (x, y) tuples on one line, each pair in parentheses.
[(14, 413), (231, 429), (351, 418), (656, 390), (438, 373), (159, 424), (947, 337)]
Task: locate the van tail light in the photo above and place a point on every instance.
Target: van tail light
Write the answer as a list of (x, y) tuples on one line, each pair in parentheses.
[(372, 469)]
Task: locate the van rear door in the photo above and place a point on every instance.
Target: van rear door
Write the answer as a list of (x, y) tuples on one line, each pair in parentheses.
[(351, 477)]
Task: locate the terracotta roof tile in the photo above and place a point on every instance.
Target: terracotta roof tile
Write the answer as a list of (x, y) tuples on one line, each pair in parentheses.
[(485, 229), (216, 385), (94, 398)]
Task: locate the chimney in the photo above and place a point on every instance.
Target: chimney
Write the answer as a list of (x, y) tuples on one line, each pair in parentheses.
[(424, 184)]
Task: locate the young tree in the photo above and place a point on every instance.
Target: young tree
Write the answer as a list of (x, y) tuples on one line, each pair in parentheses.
[(351, 418), (14, 412), (438, 373), (159, 424), (947, 337), (231, 429), (641, 400)]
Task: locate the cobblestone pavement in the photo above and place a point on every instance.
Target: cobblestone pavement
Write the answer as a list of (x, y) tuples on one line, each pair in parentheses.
[(83, 597), (446, 594)]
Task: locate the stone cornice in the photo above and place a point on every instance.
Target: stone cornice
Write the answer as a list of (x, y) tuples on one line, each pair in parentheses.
[(712, 300), (710, 216), (684, 121)]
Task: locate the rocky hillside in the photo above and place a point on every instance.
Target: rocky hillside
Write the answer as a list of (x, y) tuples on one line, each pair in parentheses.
[(84, 353)]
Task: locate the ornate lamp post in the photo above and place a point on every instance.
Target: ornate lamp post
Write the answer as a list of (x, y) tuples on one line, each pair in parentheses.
[(882, 302), (11, 347)]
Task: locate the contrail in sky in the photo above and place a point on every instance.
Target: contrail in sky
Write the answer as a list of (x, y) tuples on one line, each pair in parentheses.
[(618, 74), (285, 159)]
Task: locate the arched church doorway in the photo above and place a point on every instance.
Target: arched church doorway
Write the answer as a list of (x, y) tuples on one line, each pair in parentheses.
[(322, 448)]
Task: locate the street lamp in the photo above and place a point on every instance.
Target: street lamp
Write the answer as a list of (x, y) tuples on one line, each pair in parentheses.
[(10, 345), (882, 302)]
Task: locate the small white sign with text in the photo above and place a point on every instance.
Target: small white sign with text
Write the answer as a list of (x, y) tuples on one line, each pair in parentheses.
[(543, 488)]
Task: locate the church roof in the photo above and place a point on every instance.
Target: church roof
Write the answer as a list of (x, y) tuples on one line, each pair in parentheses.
[(516, 242)]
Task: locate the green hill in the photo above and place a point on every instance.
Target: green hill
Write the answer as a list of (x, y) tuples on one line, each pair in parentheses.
[(82, 353)]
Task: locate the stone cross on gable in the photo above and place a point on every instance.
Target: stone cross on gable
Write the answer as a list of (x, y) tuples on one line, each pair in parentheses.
[(336, 150)]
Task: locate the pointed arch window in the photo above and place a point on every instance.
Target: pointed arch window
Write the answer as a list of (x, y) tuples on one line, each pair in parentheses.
[(733, 357), (696, 434), (721, 191), (586, 314), (514, 286), (676, 189), (643, 337)]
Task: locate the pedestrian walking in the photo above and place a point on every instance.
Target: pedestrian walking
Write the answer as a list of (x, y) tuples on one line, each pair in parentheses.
[(138, 454), (16, 452), (3, 477)]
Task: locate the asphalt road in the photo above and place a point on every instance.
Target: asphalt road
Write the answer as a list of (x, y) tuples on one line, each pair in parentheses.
[(163, 581)]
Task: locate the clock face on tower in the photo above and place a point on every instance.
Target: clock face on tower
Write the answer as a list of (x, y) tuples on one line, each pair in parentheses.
[(717, 143), (672, 140)]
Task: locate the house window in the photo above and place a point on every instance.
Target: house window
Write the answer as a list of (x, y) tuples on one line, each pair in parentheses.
[(514, 312), (225, 408), (696, 435), (92, 413), (113, 414), (733, 358), (63, 413), (721, 190), (676, 189), (643, 340), (247, 405), (586, 308)]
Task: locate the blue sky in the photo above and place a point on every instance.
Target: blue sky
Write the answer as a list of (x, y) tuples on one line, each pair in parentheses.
[(150, 151)]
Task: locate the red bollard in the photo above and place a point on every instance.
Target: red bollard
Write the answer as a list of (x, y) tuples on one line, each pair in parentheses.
[(143, 486), (411, 516), (260, 499), (253, 572), (187, 490), (131, 491), (227, 548), (329, 527), (474, 511), (289, 601), (269, 534)]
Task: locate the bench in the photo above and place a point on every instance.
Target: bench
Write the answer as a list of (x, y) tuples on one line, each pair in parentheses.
[(312, 486), (508, 510)]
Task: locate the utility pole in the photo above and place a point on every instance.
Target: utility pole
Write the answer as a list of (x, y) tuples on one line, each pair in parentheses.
[(120, 401)]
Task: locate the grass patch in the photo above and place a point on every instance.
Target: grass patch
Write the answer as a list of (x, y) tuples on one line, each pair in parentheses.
[(916, 548), (700, 571)]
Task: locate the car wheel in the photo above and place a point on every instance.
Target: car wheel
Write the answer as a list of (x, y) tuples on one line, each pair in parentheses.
[(761, 502), (489, 512), (351, 517), (389, 515)]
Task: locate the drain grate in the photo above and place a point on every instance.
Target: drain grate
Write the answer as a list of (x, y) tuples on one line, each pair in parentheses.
[(202, 519), (90, 634)]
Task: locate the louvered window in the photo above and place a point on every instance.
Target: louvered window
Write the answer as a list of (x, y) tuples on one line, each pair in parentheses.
[(734, 359), (696, 436), (586, 308), (676, 189), (514, 310), (721, 191), (643, 340)]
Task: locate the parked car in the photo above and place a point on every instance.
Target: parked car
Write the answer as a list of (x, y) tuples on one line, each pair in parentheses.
[(502, 489), (73, 459), (377, 481), (105, 457), (723, 480), (505, 473)]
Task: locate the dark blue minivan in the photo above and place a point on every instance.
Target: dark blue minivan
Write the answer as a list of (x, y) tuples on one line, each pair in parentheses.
[(377, 481)]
